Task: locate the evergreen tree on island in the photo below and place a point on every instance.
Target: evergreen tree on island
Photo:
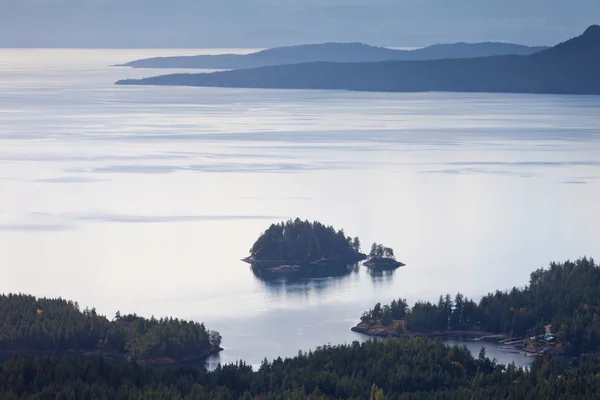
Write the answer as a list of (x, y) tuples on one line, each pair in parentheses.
[(380, 251)]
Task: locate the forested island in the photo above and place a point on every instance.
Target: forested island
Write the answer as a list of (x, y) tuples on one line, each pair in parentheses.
[(382, 258), (567, 68), (296, 244), (397, 369), (332, 52), (558, 312), (304, 246), (56, 326)]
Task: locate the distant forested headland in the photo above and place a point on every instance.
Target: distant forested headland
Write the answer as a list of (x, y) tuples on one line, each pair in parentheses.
[(397, 369), (333, 52), (567, 68), (561, 302), (31, 325)]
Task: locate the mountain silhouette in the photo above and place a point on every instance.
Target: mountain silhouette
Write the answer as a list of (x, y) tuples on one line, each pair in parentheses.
[(571, 67), (333, 52)]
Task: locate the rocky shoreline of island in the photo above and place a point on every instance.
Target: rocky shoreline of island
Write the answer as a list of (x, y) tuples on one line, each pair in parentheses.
[(383, 263), (293, 265)]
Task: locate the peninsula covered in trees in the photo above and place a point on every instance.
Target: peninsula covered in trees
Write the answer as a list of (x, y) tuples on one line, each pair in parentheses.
[(57, 326), (332, 52), (564, 298), (567, 68), (295, 244)]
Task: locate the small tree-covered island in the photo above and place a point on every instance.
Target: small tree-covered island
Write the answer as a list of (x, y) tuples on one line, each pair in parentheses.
[(381, 257), (297, 245)]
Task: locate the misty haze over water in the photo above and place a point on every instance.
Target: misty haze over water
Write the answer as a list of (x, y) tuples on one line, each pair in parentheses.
[(267, 23)]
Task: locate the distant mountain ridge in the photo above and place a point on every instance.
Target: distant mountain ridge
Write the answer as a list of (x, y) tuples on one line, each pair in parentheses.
[(333, 52), (572, 67)]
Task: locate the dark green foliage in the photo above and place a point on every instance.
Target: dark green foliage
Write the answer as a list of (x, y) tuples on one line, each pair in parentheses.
[(380, 251), (398, 369), (458, 314), (565, 295), (30, 324), (304, 242), (71, 378), (396, 310)]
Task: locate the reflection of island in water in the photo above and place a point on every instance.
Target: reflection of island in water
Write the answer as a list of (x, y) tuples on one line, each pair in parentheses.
[(315, 280), (379, 275), (306, 280)]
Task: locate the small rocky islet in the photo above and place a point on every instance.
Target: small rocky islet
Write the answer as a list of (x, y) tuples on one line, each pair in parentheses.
[(301, 246)]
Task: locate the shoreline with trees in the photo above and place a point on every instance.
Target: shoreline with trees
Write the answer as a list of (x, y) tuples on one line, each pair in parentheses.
[(558, 313)]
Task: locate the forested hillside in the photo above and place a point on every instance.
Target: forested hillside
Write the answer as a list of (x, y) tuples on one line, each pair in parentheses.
[(28, 324), (398, 369)]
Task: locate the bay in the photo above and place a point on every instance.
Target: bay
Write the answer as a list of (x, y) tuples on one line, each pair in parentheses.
[(144, 199)]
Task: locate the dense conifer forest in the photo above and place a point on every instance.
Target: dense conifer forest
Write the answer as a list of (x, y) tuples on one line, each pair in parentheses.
[(564, 295), (398, 369), (28, 324), (305, 242)]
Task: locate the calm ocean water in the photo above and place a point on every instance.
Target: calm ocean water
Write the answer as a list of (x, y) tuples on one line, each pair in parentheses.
[(143, 199)]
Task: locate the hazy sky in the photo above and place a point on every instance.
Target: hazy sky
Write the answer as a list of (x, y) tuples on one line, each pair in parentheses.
[(263, 23)]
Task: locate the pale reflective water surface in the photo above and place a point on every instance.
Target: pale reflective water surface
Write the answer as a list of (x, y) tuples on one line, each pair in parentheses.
[(143, 199)]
